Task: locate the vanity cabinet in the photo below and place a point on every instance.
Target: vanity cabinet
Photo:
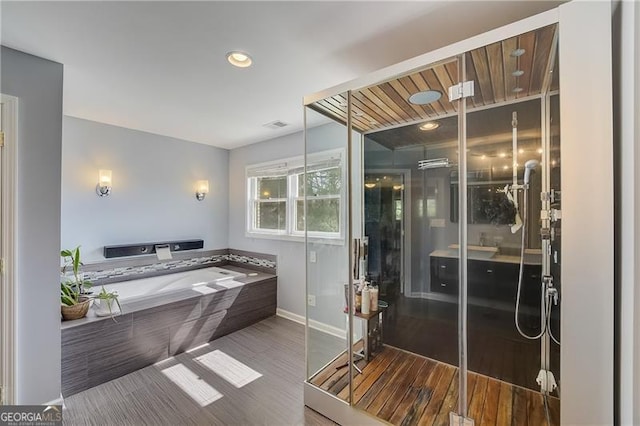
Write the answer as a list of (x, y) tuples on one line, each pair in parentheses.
[(490, 280)]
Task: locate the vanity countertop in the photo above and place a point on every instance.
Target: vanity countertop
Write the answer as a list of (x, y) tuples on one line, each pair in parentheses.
[(531, 257)]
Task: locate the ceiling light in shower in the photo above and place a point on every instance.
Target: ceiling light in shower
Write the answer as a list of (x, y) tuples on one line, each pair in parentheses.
[(505, 167), (517, 52), (539, 150), (502, 155), (425, 97), (429, 125), (239, 59), (517, 73), (521, 151), (483, 157)]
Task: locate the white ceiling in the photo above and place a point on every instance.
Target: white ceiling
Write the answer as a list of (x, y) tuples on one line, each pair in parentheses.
[(160, 67)]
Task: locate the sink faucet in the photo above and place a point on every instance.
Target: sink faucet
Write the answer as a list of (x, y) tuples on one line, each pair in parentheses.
[(483, 239)]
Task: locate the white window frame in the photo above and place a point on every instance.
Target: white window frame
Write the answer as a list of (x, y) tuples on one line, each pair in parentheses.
[(292, 168), (253, 199)]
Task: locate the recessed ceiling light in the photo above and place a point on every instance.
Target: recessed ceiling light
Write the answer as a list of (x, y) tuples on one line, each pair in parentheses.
[(521, 151), (517, 89), (239, 59), (502, 155), (430, 125), (424, 98), (483, 157), (517, 52), (517, 73), (539, 150)]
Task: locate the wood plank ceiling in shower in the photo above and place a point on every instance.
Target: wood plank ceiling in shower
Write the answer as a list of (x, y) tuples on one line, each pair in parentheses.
[(386, 104)]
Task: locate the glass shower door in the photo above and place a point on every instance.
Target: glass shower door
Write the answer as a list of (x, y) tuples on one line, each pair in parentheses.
[(321, 218), (507, 181), (410, 160)]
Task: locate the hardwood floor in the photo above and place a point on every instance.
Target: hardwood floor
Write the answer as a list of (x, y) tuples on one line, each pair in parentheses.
[(407, 389), (495, 349), (251, 377)]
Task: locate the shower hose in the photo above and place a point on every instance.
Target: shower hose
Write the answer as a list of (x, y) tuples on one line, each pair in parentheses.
[(545, 299)]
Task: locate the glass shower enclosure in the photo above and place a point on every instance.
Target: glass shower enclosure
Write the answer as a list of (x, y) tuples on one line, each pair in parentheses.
[(435, 296)]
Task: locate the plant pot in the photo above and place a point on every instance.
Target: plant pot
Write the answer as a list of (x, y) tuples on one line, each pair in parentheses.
[(101, 307), (77, 311)]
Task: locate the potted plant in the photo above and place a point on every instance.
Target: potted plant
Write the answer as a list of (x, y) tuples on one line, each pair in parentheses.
[(74, 302), (106, 303)]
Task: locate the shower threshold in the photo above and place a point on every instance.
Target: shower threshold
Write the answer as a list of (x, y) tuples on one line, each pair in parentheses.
[(407, 389)]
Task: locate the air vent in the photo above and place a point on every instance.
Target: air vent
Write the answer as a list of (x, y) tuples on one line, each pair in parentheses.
[(276, 124), (433, 164)]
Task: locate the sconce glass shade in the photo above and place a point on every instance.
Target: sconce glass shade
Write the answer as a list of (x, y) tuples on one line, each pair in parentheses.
[(104, 183), (202, 189)]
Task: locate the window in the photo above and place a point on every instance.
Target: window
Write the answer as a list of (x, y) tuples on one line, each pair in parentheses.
[(276, 197)]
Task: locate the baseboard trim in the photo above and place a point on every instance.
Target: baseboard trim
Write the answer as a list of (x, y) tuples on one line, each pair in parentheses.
[(290, 316), (316, 325)]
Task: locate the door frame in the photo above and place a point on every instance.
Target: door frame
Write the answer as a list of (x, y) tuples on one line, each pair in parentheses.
[(406, 219), (8, 222)]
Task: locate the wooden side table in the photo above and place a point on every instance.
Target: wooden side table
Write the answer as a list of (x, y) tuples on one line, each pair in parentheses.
[(371, 332)]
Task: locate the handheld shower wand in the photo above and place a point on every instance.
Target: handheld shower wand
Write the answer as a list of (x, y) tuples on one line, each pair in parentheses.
[(529, 166)]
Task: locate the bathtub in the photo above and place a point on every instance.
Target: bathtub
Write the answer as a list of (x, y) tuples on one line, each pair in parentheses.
[(205, 281)]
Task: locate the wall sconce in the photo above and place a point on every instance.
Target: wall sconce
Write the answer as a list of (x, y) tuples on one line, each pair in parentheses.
[(202, 189), (103, 188)]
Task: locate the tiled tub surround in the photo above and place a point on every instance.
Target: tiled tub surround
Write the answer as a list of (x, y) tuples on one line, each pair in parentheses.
[(96, 350), (149, 266)]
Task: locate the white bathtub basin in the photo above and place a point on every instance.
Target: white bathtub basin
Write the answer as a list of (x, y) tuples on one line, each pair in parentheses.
[(196, 280)]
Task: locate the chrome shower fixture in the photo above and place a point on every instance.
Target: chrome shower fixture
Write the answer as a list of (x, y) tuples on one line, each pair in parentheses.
[(528, 167), (436, 163)]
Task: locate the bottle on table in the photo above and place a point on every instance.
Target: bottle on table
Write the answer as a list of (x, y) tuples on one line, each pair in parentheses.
[(366, 300)]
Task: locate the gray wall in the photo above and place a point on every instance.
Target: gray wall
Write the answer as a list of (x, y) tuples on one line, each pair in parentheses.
[(38, 85), (586, 353), (153, 196), (331, 259), (290, 253), (626, 53)]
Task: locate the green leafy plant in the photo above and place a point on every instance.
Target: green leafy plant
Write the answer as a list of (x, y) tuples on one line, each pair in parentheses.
[(108, 297), (72, 289)]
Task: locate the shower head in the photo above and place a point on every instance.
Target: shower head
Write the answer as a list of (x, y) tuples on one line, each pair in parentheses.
[(528, 167)]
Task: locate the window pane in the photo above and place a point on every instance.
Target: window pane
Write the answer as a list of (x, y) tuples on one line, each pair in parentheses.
[(271, 215), (322, 182), (272, 187), (322, 215)]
